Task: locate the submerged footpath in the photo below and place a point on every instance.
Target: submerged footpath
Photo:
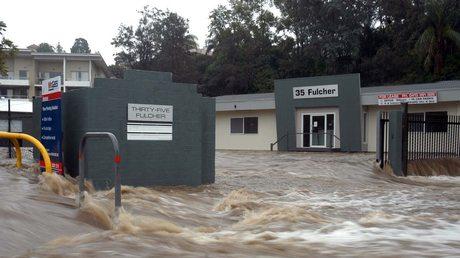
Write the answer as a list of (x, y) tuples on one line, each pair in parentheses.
[(263, 204)]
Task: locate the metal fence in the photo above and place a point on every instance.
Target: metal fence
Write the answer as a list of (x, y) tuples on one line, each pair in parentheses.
[(433, 137)]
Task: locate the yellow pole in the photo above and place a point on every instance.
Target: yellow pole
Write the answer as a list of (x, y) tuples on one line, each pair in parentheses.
[(18, 152), (32, 140)]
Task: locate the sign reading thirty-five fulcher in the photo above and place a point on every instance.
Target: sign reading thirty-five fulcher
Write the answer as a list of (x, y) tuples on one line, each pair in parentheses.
[(148, 122)]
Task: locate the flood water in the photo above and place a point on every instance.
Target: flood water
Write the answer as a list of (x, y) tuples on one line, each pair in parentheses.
[(263, 204)]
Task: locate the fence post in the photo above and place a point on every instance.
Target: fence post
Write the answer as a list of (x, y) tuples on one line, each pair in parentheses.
[(405, 135), (381, 148)]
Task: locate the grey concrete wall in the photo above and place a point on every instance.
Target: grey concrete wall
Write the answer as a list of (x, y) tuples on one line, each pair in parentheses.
[(186, 160), (348, 103), (395, 144)]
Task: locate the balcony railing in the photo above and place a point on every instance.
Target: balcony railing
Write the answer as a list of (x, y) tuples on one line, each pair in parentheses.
[(10, 79), (10, 76)]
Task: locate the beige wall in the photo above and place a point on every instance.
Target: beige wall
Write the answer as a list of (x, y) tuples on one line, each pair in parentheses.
[(452, 108), (46, 66), (260, 141), (298, 122), (75, 66), (22, 64)]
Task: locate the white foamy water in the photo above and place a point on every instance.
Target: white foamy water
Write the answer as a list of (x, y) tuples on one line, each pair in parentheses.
[(263, 204)]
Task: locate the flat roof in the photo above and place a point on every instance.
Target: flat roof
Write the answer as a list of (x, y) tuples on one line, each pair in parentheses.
[(95, 57), (259, 101), (446, 91)]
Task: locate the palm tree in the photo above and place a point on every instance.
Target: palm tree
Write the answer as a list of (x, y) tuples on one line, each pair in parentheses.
[(433, 43)]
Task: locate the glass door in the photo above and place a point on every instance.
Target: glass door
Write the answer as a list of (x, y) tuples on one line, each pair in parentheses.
[(318, 135), (318, 130)]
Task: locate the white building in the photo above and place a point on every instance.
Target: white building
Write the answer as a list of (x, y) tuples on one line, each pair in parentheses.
[(28, 68), (249, 122)]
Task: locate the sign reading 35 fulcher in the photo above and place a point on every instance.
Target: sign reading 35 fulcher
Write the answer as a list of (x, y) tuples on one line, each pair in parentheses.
[(150, 113), (310, 92)]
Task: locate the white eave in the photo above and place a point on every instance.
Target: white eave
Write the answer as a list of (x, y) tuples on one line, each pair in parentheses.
[(263, 101)]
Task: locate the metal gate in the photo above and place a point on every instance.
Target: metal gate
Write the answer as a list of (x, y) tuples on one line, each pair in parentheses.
[(382, 148), (433, 136)]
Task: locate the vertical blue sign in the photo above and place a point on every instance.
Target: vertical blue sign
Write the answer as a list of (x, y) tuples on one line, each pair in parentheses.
[(51, 125)]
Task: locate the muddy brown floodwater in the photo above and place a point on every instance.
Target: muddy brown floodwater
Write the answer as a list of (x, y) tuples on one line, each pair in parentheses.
[(263, 204)]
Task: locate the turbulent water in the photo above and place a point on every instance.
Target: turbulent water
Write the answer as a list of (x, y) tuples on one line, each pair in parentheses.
[(263, 204)]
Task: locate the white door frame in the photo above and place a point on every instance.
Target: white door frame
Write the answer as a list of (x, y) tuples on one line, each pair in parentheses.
[(302, 115)]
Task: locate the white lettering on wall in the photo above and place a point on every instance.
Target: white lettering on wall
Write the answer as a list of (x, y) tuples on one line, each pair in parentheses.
[(324, 91)]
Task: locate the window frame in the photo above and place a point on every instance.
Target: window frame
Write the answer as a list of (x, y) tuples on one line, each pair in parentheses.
[(21, 77), (425, 122), (244, 131), (436, 128), (242, 125), (422, 125), (256, 122), (78, 76)]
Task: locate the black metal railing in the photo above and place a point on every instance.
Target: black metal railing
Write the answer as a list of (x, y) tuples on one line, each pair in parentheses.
[(328, 140), (382, 148), (434, 138)]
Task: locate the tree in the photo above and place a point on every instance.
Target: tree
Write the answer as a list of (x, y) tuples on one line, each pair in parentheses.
[(117, 71), (7, 49), (434, 42), (59, 48), (45, 48), (242, 38), (161, 41), (80, 46)]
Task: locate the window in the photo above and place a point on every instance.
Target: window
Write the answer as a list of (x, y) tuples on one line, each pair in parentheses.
[(236, 125), (246, 125), (3, 92), (20, 93), (23, 75), (416, 122), (251, 125), (436, 121), (80, 76)]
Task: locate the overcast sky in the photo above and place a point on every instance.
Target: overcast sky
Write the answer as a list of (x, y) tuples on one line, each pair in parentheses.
[(35, 21)]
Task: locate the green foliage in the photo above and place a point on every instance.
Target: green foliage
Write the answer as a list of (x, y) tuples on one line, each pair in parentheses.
[(241, 40), (7, 49), (386, 41), (45, 48), (80, 46), (434, 42), (59, 48), (117, 71), (161, 41)]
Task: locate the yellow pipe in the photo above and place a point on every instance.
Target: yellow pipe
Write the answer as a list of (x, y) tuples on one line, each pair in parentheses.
[(35, 142), (18, 152)]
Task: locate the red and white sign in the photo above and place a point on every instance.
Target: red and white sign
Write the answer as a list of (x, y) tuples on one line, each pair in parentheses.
[(408, 97), (51, 89)]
